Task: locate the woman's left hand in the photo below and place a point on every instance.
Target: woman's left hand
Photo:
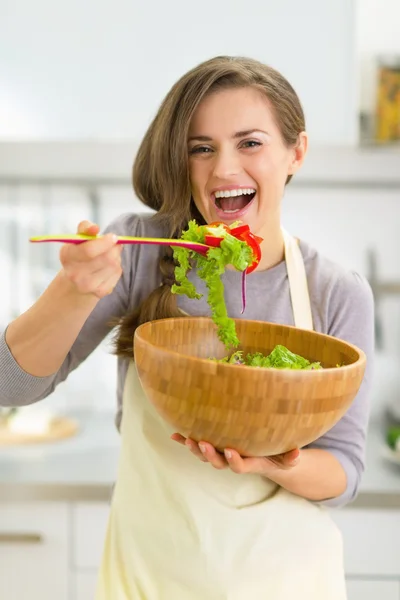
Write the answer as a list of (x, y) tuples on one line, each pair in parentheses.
[(232, 459)]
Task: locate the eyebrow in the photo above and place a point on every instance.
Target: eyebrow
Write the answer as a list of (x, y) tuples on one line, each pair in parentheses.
[(238, 134)]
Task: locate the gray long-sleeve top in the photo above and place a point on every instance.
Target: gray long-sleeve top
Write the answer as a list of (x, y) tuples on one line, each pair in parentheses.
[(342, 306)]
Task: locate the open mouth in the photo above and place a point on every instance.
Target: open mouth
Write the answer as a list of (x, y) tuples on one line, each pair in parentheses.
[(234, 201)]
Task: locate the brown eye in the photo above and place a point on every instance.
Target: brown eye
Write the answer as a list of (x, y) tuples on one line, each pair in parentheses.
[(200, 150), (251, 144)]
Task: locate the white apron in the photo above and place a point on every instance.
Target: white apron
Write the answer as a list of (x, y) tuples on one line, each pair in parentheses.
[(181, 530)]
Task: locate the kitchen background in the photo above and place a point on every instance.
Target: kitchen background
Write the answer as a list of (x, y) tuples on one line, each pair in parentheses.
[(79, 84)]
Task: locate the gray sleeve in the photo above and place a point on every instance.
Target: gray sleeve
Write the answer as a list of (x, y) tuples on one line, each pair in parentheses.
[(18, 388), (351, 318)]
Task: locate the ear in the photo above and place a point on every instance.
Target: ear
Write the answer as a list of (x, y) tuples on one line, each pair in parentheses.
[(299, 153)]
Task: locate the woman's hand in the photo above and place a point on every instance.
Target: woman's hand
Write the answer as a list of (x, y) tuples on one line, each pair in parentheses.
[(232, 459), (93, 267)]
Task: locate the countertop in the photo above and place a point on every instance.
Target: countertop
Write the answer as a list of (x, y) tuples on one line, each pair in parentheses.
[(83, 468)]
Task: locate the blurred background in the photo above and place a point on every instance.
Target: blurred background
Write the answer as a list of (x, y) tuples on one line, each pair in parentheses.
[(79, 85)]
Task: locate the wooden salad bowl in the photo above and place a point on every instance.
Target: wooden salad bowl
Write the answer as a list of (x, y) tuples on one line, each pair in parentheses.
[(256, 411)]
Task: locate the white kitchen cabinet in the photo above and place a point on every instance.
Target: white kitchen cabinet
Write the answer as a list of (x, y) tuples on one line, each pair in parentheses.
[(89, 526), (84, 585), (53, 550), (373, 590), (370, 540), (34, 551)]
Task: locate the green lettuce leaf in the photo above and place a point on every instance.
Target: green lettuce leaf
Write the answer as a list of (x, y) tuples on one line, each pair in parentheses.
[(210, 268), (280, 358), (183, 285)]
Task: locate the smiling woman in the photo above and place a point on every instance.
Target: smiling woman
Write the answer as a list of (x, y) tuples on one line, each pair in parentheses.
[(239, 162), (188, 522)]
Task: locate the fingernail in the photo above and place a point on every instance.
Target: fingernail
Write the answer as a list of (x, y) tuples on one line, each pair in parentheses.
[(202, 448), (114, 238), (228, 454)]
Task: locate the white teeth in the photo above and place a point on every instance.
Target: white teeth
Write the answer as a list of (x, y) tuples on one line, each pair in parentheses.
[(237, 192)]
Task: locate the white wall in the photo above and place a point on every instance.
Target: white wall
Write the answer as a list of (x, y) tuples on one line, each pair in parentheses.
[(378, 24), (90, 70)]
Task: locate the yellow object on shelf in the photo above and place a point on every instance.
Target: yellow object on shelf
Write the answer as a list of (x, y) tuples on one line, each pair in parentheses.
[(388, 101)]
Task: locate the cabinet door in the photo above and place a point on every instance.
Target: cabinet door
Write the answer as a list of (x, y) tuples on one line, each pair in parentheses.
[(34, 551), (85, 583), (89, 526), (373, 590)]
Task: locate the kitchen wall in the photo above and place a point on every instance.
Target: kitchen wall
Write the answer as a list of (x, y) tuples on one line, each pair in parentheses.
[(99, 69)]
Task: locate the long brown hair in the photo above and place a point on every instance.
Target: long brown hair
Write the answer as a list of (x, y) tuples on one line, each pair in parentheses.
[(161, 171)]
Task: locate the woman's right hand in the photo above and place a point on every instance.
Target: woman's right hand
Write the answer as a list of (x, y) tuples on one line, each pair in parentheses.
[(93, 267)]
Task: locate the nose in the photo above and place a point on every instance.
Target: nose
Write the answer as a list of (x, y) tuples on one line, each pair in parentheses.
[(227, 164)]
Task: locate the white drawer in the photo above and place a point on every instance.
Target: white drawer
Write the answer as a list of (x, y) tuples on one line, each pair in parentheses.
[(34, 551), (89, 525), (371, 541), (84, 585)]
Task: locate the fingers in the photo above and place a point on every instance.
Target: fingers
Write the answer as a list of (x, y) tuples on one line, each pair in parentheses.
[(245, 465), (232, 459), (265, 466), (177, 437), (93, 267), (190, 444), (217, 460), (195, 449), (90, 249), (88, 228), (202, 450)]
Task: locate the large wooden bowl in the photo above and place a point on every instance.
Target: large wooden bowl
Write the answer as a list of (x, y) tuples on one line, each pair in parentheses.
[(258, 412)]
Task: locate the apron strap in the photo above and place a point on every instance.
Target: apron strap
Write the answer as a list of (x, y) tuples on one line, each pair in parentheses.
[(298, 286)]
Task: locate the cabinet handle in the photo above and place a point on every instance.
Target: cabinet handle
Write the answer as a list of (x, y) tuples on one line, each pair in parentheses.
[(20, 538)]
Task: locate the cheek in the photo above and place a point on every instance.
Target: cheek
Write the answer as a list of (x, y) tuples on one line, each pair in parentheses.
[(198, 182), (193, 177), (268, 169)]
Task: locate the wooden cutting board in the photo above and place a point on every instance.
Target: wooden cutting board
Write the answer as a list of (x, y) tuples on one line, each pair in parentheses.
[(59, 428)]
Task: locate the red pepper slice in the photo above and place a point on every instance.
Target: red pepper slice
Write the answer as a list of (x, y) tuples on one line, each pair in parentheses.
[(250, 239), (258, 239), (239, 230), (243, 233), (213, 241)]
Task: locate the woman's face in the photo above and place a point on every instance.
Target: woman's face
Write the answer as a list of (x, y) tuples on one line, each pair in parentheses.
[(238, 162)]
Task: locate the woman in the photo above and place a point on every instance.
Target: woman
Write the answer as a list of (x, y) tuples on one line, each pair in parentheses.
[(188, 523)]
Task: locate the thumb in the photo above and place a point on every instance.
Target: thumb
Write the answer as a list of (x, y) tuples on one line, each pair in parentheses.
[(88, 228), (286, 460), (290, 458)]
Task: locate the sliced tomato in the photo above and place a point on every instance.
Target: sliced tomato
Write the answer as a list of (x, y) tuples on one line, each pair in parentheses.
[(213, 241)]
